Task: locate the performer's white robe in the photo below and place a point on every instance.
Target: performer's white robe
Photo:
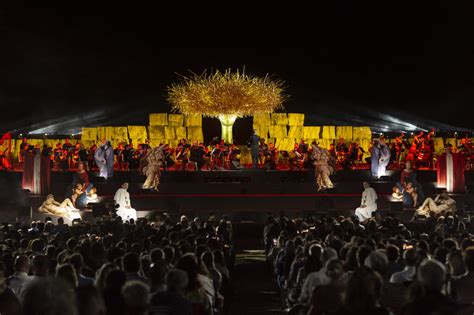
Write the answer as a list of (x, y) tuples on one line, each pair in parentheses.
[(125, 210), (369, 199)]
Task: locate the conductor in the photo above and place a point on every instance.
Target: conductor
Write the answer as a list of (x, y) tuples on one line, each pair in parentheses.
[(253, 143)]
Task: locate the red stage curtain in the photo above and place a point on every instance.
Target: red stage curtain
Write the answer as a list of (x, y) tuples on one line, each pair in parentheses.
[(450, 172), (36, 174)]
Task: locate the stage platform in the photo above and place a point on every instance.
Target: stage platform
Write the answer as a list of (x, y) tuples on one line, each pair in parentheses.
[(240, 192)]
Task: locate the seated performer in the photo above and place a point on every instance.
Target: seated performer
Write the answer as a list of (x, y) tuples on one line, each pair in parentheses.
[(397, 195), (81, 197), (196, 155), (262, 151), (82, 177), (368, 203), (182, 153), (65, 208), (122, 198), (409, 176), (412, 192), (442, 202)]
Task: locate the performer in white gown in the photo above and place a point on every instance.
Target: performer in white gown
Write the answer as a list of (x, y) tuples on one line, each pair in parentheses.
[(368, 203), (122, 198)]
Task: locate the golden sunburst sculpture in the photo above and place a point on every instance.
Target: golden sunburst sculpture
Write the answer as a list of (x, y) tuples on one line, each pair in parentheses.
[(227, 96)]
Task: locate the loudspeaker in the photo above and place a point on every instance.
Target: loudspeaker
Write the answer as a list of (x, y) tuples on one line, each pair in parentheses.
[(235, 165), (396, 206)]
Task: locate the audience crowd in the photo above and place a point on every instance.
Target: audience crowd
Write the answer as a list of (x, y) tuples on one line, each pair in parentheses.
[(337, 265), (115, 267)]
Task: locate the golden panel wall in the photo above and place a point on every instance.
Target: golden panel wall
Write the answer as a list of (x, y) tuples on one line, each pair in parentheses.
[(280, 119), (262, 119), (158, 119), (295, 119), (329, 132), (311, 132), (195, 133), (361, 133), (156, 132), (296, 132), (175, 120), (137, 132), (89, 133), (181, 133), (193, 120), (344, 132), (278, 132), (170, 133)]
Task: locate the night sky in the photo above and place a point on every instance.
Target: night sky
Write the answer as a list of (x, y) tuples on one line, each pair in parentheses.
[(343, 64)]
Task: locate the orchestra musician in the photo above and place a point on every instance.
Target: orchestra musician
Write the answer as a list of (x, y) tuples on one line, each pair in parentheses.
[(182, 153), (23, 148), (262, 151), (197, 154), (272, 156), (216, 156), (424, 156), (5, 158), (234, 153)]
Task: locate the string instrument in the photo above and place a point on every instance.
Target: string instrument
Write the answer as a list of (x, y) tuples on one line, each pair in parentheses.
[(182, 151)]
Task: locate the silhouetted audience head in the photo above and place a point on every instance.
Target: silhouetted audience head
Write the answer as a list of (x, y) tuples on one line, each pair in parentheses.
[(49, 296)]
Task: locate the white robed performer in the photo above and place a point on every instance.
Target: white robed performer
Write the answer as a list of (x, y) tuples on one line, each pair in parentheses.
[(368, 203), (104, 158), (122, 198), (380, 157), (152, 171), (322, 170)]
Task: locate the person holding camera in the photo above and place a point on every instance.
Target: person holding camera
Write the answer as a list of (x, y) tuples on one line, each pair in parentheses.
[(122, 198)]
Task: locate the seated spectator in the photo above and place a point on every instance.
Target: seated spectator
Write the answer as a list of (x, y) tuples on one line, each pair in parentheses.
[(427, 297), (22, 268), (48, 296), (394, 265), (327, 299), (172, 301), (77, 261), (90, 301), (463, 286), (40, 269), (9, 303), (66, 273), (362, 294), (131, 267), (194, 291), (317, 278), (136, 295), (408, 273), (112, 293)]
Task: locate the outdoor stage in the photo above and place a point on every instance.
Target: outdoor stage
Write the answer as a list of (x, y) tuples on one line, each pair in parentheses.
[(243, 192)]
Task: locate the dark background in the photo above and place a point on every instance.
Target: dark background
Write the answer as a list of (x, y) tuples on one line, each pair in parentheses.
[(399, 67)]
